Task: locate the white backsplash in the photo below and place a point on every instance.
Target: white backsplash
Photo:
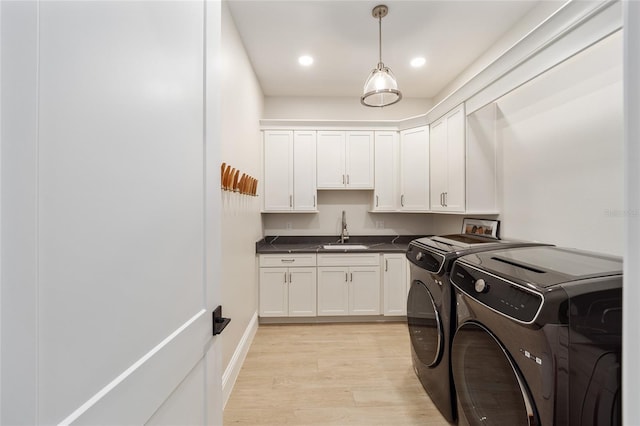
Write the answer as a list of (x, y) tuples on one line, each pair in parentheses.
[(360, 221)]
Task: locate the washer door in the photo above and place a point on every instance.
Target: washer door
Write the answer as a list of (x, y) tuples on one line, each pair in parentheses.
[(489, 387), (425, 324)]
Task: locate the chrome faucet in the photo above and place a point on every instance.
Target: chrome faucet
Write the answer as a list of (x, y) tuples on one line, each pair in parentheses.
[(344, 235)]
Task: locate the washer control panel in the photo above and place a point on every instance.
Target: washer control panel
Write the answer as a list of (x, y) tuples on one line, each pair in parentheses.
[(425, 259), (499, 294)]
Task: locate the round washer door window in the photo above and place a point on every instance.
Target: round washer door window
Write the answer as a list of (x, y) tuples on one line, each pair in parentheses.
[(489, 387), (425, 325)]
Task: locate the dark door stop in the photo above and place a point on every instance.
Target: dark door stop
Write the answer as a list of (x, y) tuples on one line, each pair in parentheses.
[(219, 323)]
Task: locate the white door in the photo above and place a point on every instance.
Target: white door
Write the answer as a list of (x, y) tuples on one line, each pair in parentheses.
[(304, 171), (395, 284), (273, 292), (333, 290), (110, 213), (302, 292), (364, 290), (331, 160), (414, 169), (438, 167), (386, 171), (359, 160), (278, 170), (455, 196)]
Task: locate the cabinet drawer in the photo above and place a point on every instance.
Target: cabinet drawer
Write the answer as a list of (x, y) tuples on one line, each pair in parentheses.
[(288, 260), (349, 259)]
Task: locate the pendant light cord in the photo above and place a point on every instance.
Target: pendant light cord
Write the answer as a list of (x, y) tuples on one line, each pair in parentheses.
[(380, 38)]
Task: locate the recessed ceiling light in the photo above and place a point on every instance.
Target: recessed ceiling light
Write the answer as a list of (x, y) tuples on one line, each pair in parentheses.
[(418, 62), (305, 60)]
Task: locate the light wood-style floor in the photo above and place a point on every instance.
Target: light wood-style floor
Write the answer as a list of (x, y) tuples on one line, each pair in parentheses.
[(330, 374)]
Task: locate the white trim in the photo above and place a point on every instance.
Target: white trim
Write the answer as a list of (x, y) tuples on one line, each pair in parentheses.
[(115, 382), (232, 371)]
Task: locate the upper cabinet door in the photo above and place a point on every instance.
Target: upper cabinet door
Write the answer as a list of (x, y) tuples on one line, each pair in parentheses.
[(304, 171), (438, 163), (386, 171), (278, 170), (331, 157), (456, 148), (447, 148), (414, 169), (359, 160)]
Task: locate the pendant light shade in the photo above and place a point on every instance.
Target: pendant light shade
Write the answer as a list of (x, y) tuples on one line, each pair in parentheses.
[(381, 87)]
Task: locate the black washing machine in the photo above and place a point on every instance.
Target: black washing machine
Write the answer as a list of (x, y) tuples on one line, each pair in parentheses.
[(430, 314), (539, 338)]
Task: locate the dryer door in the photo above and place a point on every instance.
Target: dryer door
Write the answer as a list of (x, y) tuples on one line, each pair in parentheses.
[(425, 324), (490, 389)]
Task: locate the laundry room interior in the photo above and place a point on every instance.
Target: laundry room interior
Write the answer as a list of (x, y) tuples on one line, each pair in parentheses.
[(215, 213)]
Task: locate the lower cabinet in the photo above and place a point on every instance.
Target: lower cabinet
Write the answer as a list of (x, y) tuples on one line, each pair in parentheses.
[(348, 284), (395, 284), (287, 291), (345, 284)]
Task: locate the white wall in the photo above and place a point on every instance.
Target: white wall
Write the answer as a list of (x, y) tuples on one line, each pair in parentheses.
[(560, 147), (537, 14), (356, 205), (241, 223), (330, 108)]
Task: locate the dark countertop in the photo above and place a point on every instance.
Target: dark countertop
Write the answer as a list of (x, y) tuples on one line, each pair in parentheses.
[(313, 244)]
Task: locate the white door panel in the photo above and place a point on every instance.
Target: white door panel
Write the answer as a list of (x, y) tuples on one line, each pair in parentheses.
[(122, 193)]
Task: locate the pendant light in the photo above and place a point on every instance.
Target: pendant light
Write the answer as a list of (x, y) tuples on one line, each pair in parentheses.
[(381, 88)]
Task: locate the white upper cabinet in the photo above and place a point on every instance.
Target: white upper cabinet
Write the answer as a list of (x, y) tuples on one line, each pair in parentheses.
[(278, 170), (345, 160), (414, 169), (447, 162), (385, 196), (304, 171), (289, 170)]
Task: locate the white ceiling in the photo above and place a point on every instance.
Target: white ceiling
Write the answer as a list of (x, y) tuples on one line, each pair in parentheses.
[(342, 36)]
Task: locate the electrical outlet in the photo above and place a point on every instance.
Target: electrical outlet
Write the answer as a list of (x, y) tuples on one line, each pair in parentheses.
[(288, 225), (379, 224)]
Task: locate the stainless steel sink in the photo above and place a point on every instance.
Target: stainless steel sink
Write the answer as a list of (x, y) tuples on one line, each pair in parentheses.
[(344, 247)]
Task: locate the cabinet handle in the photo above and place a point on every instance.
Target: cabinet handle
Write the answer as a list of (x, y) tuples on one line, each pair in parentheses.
[(290, 200), (285, 277), (346, 277), (314, 201), (376, 201), (290, 280), (442, 199), (402, 200), (343, 179), (287, 260), (445, 198), (347, 179), (351, 277), (386, 265)]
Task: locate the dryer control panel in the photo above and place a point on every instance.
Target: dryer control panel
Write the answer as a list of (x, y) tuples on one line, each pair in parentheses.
[(503, 296)]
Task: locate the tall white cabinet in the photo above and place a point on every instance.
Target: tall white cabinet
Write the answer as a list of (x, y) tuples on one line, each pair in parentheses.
[(345, 160), (414, 169), (447, 162), (289, 171)]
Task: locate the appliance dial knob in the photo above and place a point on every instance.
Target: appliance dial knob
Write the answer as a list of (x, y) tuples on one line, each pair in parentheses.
[(481, 286), (420, 255)]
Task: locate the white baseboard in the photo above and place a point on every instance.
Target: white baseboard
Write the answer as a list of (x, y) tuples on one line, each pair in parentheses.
[(233, 369)]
